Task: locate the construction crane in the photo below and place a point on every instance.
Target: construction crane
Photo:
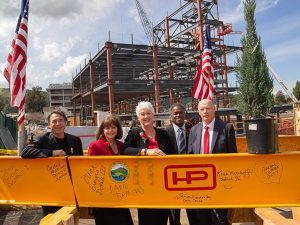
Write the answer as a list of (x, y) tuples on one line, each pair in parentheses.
[(276, 76), (145, 22)]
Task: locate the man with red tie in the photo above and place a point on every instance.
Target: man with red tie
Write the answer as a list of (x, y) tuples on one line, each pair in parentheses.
[(211, 136)]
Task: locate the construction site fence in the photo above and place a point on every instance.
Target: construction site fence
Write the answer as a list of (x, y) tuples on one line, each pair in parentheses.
[(285, 143), (11, 124), (283, 127)]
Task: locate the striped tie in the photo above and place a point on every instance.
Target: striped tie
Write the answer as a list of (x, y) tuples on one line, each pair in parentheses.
[(181, 141)]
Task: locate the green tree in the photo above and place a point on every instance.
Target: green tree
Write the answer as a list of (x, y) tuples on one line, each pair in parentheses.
[(296, 90), (2, 104), (5, 98), (280, 98), (255, 98), (36, 99)]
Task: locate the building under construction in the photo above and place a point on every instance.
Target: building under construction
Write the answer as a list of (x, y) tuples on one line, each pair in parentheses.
[(120, 75)]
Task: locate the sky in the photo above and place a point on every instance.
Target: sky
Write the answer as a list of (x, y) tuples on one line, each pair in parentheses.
[(62, 34)]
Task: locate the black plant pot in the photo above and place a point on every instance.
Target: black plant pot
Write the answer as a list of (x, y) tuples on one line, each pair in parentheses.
[(261, 136)]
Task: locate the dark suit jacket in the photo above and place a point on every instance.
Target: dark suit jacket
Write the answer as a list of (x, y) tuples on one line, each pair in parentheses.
[(44, 145), (223, 140), (134, 143), (171, 132)]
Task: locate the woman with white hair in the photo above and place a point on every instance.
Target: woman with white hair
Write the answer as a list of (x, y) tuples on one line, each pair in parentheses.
[(148, 140)]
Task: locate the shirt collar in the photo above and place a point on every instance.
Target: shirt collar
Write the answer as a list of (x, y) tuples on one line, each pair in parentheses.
[(176, 128), (210, 125)]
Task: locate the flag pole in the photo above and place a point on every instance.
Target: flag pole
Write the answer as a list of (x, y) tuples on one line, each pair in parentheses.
[(21, 137), (15, 71), (21, 115)]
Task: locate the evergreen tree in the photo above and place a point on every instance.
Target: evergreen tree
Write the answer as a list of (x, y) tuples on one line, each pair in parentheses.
[(36, 99), (280, 99), (255, 98), (296, 90)]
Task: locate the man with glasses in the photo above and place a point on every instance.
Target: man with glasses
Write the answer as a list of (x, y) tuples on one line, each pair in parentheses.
[(56, 142), (211, 136)]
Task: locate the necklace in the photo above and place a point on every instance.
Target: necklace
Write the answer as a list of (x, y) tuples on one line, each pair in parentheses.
[(151, 135)]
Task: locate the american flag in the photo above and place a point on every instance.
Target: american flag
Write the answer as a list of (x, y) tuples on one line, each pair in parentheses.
[(204, 83), (15, 71)]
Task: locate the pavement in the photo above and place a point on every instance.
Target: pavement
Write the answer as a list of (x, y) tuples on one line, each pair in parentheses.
[(33, 216), (20, 217)]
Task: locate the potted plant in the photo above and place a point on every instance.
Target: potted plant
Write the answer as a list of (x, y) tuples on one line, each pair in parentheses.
[(255, 98)]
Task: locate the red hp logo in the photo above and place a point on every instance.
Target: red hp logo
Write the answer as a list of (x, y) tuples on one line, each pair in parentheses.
[(190, 177)]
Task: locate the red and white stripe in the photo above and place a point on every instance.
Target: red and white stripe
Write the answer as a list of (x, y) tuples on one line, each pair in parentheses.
[(204, 83), (15, 71)]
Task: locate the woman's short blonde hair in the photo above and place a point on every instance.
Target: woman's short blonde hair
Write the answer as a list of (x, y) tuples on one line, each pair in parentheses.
[(144, 105)]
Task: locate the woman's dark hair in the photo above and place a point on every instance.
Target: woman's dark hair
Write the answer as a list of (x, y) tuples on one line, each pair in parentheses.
[(108, 121)]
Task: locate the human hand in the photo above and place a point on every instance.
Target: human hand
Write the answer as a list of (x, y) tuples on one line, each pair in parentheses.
[(59, 152), (155, 151)]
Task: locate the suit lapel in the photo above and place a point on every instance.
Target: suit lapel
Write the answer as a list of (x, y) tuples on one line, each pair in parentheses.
[(215, 134), (187, 133), (198, 139), (173, 137)]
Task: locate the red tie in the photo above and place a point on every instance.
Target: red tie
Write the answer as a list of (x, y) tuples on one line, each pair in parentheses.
[(206, 141)]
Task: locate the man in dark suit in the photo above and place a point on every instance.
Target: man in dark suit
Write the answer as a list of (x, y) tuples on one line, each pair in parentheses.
[(209, 137), (178, 134), (54, 143)]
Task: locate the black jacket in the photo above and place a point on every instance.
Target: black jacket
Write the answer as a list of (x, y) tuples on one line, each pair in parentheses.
[(134, 143), (44, 145)]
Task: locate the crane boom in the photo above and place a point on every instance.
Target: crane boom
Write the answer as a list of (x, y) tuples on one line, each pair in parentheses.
[(145, 22), (276, 76)]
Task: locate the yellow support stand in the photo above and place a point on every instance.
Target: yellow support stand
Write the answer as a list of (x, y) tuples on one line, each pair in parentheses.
[(64, 216)]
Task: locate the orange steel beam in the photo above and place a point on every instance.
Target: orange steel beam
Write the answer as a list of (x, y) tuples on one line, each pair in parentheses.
[(171, 92), (156, 79), (200, 25), (167, 33), (110, 81), (93, 101), (81, 100)]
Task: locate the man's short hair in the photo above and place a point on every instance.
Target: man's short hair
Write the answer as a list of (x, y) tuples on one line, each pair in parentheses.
[(61, 113), (179, 105)]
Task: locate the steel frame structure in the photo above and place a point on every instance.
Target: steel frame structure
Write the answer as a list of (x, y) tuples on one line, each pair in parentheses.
[(120, 75)]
